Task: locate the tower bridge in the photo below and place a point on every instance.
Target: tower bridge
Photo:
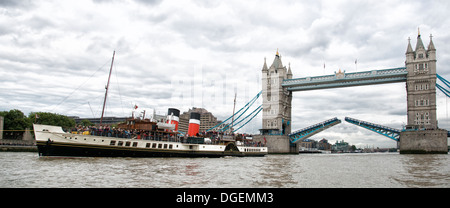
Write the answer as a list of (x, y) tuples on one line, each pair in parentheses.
[(421, 134), (342, 79)]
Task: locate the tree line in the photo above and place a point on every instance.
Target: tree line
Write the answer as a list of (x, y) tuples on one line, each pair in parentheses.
[(16, 120)]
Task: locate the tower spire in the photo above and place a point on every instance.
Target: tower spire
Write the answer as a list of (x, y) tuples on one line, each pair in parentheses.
[(431, 45), (419, 43), (265, 65), (409, 49), (289, 73)]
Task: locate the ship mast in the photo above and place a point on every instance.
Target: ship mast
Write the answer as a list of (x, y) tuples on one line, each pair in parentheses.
[(234, 107), (107, 86)]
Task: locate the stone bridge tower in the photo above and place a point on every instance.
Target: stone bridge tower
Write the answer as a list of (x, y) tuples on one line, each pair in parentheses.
[(422, 134), (276, 99), (421, 85)]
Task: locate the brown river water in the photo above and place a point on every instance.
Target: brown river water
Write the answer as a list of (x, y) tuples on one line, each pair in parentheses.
[(380, 170)]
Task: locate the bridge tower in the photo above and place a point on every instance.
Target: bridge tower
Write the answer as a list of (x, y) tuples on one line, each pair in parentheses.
[(276, 99), (276, 105), (421, 85), (422, 134)]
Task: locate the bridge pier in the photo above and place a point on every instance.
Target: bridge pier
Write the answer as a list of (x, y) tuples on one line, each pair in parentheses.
[(277, 144), (424, 142)]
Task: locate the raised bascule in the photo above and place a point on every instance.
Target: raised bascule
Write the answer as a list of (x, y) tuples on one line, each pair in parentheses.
[(420, 135)]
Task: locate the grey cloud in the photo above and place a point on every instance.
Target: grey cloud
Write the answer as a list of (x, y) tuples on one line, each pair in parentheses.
[(16, 4), (149, 2)]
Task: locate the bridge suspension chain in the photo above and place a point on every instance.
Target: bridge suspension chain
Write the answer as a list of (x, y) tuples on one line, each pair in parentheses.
[(246, 107), (446, 82), (257, 110)]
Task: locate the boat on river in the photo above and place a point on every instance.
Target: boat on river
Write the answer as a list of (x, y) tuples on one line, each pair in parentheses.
[(142, 138), (151, 142)]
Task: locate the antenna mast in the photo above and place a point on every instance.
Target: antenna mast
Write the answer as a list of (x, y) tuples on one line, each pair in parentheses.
[(107, 86)]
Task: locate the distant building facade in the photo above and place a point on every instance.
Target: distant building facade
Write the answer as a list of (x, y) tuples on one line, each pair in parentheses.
[(313, 144), (341, 146), (323, 145), (96, 121), (207, 120)]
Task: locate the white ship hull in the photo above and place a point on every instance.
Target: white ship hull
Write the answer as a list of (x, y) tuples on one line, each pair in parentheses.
[(53, 141)]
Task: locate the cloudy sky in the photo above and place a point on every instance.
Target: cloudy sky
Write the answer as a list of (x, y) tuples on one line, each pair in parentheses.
[(55, 56)]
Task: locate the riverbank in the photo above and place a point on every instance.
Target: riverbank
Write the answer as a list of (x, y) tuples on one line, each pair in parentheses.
[(14, 148)]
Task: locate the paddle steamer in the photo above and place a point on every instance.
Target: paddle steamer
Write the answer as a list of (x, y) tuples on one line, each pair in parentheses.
[(150, 139)]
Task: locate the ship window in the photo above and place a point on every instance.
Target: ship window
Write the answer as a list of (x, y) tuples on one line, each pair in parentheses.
[(170, 146), (159, 146), (135, 144), (147, 145), (120, 143), (165, 146), (127, 144), (154, 145), (113, 142)]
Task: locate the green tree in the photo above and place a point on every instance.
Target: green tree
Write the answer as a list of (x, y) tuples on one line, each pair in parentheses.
[(15, 120), (52, 119), (86, 122)]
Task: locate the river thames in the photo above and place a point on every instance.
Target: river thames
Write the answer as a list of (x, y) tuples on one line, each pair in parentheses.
[(371, 170)]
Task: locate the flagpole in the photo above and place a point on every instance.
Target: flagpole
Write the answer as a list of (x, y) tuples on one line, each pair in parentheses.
[(323, 67)]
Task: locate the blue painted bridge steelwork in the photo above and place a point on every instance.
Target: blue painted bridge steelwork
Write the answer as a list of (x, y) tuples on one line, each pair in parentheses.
[(309, 131), (383, 130), (342, 79)]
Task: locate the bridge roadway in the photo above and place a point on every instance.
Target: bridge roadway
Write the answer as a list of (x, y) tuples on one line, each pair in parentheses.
[(312, 130), (342, 79)]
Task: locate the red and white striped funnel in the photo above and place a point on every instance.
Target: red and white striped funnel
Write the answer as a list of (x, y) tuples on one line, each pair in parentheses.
[(194, 124), (173, 117)]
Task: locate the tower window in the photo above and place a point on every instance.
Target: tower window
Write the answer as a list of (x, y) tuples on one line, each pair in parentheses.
[(420, 55)]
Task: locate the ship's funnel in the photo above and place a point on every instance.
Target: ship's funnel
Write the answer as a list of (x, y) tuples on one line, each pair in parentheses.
[(173, 117), (194, 124)]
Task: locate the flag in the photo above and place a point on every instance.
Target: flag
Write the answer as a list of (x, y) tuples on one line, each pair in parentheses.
[(265, 141), (135, 106), (356, 61)]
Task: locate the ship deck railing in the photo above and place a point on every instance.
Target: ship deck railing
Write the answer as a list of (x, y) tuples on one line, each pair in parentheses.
[(124, 135)]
